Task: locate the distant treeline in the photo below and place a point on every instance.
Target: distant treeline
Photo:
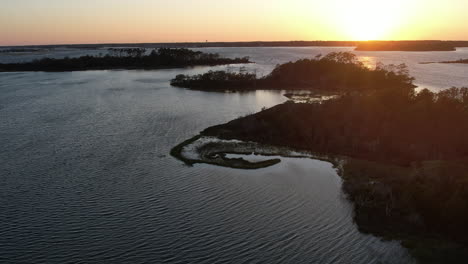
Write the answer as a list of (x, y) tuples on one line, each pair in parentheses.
[(14, 50), (131, 58), (405, 46), (341, 71), (238, 44)]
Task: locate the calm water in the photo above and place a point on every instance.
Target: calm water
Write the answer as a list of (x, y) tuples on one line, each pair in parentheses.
[(85, 175), (432, 76)]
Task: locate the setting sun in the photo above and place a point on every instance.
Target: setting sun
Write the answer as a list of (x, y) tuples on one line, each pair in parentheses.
[(369, 19), (25, 22)]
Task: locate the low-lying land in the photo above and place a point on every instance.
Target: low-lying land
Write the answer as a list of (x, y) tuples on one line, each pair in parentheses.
[(20, 50), (209, 150), (125, 59), (463, 61), (310, 97), (405, 46), (337, 71), (236, 44), (460, 61)]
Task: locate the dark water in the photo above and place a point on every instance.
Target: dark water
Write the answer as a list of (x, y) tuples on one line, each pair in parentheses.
[(85, 177)]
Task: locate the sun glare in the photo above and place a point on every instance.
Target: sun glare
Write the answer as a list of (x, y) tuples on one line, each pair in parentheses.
[(369, 19)]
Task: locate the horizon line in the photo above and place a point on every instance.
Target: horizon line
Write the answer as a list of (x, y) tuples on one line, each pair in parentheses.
[(218, 42)]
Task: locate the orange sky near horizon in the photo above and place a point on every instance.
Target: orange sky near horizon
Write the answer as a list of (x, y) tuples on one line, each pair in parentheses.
[(30, 22)]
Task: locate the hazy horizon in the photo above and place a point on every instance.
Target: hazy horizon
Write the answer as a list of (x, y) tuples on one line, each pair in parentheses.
[(201, 42), (52, 22)]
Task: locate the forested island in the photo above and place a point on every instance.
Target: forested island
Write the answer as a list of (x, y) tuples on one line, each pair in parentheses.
[(405, 153), (405, 46), (132, 58), (338, 71)]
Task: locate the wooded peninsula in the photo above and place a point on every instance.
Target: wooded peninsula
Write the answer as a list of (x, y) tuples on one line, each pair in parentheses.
[(405, 152)]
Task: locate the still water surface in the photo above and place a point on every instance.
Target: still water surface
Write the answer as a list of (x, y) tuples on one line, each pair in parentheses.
[(432, 76), (85, 176)]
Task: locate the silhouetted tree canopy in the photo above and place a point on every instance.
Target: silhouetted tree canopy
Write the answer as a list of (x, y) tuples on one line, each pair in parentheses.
[(383, 125), (336, 71), (134, 58), (18, 50)]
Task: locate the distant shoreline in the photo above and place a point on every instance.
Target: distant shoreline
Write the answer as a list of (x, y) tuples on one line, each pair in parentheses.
[(426, 46), (239, 44), (460, 61)]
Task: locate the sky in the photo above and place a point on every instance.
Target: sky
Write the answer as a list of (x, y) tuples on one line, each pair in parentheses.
[(31, 22)]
